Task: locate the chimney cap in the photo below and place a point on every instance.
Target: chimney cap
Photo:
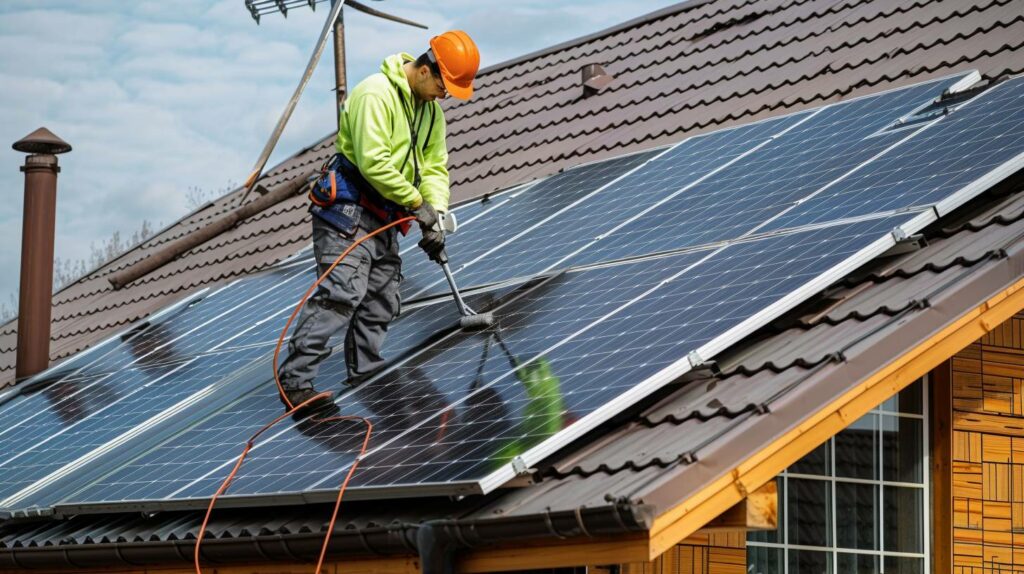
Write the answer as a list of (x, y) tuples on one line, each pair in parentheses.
[(42, 141)]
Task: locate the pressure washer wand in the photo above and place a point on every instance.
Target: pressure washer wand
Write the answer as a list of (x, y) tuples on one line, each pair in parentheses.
[(469, 319), (464, 309)]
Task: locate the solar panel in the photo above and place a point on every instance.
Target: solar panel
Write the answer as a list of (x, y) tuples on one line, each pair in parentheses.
[(201, 448), (761, 185), (938, 159), (707, 189), (647, 299)]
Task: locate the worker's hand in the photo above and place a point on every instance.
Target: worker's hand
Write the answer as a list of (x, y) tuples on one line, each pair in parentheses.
[(433, 244), (426, 216), (430, 228)]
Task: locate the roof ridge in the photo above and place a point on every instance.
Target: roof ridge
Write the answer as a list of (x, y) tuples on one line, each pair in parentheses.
[(726, 59), (846, 45), (683, 6)]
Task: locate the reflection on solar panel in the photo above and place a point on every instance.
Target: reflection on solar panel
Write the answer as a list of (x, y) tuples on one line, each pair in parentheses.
[(609, 280)]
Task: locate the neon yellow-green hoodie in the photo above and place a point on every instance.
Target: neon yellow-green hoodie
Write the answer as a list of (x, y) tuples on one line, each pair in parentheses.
[(374, 134)]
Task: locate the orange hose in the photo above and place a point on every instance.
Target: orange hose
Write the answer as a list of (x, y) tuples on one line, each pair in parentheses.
[(293, 408)]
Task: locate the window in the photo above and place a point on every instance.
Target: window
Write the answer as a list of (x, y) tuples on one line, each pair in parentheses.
[(856, 504)]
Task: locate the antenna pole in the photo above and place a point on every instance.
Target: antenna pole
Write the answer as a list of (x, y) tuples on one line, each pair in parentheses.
[(340, 80), (257, 170)]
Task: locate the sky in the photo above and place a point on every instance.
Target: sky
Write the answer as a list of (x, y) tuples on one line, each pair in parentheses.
[(160, 97)]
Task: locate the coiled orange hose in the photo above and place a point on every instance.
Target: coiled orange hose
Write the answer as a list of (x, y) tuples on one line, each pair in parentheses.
[(326, 395)]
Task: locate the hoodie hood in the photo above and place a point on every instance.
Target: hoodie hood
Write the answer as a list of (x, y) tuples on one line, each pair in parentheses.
[(392, 68)]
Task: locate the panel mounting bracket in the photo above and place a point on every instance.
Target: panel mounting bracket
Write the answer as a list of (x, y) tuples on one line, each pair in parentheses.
[(519, 466), (696, 362), (905, 243)]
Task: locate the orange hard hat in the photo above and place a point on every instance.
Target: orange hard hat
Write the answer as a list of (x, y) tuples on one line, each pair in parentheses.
[(458, 59)]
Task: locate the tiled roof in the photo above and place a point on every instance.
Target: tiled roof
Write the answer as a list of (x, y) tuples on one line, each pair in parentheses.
[(694, 67), (662, 452)]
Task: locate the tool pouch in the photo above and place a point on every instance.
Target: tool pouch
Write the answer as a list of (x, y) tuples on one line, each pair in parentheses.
[(331, 186), (343, 216)]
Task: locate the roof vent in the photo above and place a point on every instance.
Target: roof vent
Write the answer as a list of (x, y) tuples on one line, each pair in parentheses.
[(595, 78), (42, 141)]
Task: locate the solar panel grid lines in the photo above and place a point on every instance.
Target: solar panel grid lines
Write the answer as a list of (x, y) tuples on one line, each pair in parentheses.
[(954, 157), (769, 224), (607, 173)]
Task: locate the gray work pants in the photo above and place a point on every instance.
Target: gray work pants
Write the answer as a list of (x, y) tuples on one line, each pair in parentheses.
[(360, 295)]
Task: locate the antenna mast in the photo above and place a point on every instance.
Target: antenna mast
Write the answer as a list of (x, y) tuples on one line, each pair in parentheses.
[(335, 21)]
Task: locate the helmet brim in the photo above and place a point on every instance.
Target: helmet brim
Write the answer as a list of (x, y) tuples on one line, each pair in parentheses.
[(457, 91)]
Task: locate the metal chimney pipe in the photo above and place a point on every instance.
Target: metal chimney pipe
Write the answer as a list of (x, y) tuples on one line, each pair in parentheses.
[(37, 232)]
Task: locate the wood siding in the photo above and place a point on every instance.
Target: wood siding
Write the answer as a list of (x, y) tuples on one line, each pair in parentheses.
[(988, 453), (714, 553)]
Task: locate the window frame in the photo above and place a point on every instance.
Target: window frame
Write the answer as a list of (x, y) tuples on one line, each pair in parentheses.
[(880, 483)]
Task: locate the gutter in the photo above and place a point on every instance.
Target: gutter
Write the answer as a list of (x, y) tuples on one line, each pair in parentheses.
[(437, 542)]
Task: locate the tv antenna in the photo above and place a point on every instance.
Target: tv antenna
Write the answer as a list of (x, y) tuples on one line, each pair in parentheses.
[(335, 21)]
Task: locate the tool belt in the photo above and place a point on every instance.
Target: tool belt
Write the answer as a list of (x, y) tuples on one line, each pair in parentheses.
[(340, 193)]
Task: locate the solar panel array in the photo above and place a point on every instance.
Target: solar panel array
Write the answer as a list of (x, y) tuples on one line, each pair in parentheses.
[(609, 280)]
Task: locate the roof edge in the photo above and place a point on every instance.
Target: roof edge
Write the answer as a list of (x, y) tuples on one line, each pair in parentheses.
[(398, 539), (958, 313)]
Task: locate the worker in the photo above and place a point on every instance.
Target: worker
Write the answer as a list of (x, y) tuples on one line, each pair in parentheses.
[(391, 162)]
